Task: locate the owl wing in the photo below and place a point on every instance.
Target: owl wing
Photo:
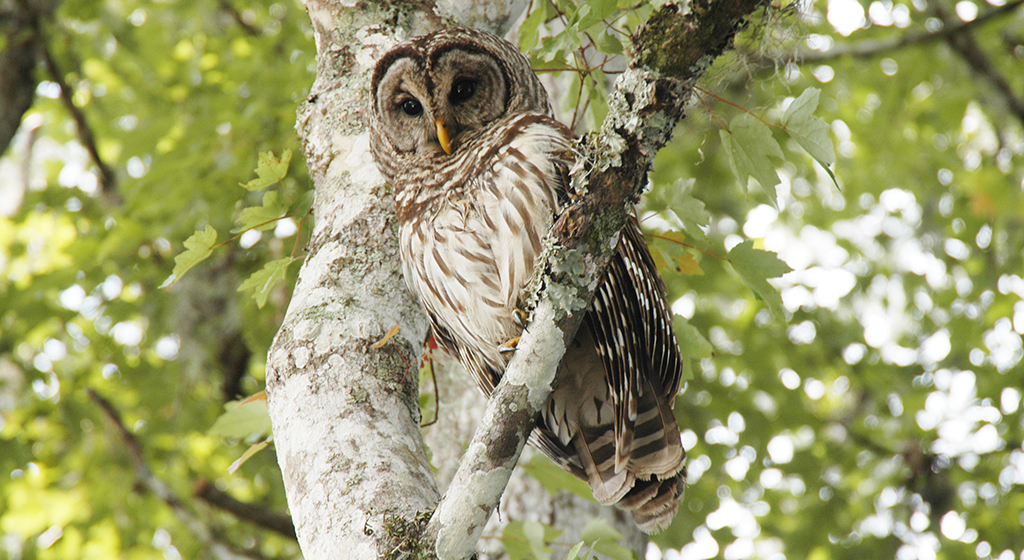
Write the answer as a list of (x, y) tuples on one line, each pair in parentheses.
[(610, 421), (632, 328)]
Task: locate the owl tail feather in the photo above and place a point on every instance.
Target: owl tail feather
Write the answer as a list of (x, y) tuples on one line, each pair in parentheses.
[(646, 480), (653, 503)]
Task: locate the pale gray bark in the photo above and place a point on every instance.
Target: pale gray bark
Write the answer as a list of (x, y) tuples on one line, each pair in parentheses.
[(345, 414)]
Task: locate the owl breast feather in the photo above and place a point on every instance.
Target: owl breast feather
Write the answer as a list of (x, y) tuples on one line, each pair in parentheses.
[(469, 254)]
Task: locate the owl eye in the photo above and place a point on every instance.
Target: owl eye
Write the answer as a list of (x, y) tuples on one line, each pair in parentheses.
[(411, 107), (462, 90)]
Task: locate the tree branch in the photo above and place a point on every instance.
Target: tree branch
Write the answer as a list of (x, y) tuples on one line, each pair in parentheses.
[(258, 515), (161, 490), (968, 48), (872, 48), (672, 51), (107, 178), (17, 67), (226, 6)]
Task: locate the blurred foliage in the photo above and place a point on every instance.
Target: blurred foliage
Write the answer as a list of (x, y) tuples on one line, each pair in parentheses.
[(877, 415), (181, 97)]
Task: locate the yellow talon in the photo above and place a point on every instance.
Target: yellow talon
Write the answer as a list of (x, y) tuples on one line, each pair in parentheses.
[(509, 346), (519, 316)]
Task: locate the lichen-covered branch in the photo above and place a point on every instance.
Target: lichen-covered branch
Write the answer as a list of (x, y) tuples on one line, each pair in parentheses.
[(648, 102)]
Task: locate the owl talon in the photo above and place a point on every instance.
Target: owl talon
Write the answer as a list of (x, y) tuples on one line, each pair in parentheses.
[(510, 345), (519, 316)]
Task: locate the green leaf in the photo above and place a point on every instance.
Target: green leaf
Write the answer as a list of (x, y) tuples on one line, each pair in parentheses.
[(524, 540), (528, 35), (243, 420), (604, 539), (692, 345), (603, 8), (198, 247), (574, 552), (554, 478), (609, 43), (263, 280), (748, 144), (262, 217), (534, 533), (567, 40), (253, 449), (755, 267), (689, 210), (810, 132), (269, 170)]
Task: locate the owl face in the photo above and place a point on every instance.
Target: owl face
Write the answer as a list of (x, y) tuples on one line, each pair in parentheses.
[(433, 107), (436, 93)]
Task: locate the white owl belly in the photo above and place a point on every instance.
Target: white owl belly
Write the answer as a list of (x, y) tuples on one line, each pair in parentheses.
[(476, 257), (477, 273), (469, 255)]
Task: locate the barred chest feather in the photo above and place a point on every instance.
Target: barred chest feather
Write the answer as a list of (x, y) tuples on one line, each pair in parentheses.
[(471, 232)]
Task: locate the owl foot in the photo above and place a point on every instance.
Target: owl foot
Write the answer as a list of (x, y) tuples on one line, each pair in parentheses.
[(509, 345), (519, 317)]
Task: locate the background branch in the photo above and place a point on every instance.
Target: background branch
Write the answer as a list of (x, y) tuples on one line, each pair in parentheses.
[(256, 514), (964, 44), (162, 490), (873, 48), (17, 67), (108, 180)]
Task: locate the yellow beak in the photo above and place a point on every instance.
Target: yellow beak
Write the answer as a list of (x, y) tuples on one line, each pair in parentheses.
[(442, 137)]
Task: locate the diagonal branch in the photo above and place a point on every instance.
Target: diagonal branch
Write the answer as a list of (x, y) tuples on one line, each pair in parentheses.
[(108, 180), (162, 490), (672, 51), (258, 515), (968, 48), (873, 48)]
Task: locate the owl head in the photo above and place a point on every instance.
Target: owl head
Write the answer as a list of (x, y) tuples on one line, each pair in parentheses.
[(433, 95)]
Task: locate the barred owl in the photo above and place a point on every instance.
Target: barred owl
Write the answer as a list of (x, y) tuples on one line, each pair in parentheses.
[(462, 128)]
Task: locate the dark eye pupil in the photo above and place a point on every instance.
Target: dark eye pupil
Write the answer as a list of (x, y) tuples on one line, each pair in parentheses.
[(411, 107), (463, 90)]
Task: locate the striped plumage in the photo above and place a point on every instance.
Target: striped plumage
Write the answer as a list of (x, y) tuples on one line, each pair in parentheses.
[(478, 179)]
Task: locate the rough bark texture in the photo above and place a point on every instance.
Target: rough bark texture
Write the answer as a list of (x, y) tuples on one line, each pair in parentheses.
[(350, 450), (345, 414), (525, 499), (19, 23)]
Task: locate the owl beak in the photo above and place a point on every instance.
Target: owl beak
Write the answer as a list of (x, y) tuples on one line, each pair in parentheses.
[(442, 137)]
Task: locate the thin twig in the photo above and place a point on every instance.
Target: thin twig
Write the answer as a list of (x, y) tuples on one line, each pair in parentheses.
[(968, 48), (226, 6), (108, 181)]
